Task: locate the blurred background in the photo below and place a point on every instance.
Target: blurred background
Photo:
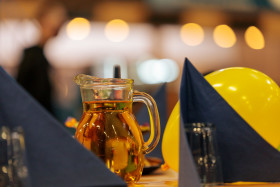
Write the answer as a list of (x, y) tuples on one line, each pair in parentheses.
[(149, 39)]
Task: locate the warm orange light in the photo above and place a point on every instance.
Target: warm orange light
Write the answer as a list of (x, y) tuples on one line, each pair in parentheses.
[(117, 30), (254, 38), (224, 36), (78, 28), (192, 34)]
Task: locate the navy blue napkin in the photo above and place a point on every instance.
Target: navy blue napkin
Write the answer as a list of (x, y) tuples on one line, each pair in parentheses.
[(54, 157), (142, 117), (245, 155)]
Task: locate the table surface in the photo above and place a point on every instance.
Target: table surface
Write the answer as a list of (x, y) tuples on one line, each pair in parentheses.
[(170, 178), (158, 178)]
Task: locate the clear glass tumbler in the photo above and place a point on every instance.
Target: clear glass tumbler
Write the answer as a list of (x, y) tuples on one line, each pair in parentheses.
[(203, 144)]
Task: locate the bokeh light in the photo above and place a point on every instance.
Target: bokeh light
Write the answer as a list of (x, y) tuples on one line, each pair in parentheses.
[(192, 34), (155, 71), (224, 36), (254, 38), (116, 30), (78, 28)]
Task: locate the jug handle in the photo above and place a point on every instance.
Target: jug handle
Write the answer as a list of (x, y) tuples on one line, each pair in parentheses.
[(154, 119)]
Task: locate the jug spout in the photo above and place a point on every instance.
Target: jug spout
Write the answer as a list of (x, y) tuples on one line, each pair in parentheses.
[(83, 79)]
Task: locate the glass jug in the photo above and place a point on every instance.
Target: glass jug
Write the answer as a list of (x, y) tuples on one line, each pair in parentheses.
[(108, 127)]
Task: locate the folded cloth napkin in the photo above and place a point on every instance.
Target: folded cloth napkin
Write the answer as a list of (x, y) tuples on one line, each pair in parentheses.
[(54, 157), (245, 155), (142, 117)]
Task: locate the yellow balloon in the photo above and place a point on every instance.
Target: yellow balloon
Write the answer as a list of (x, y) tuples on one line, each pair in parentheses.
[(254, 96), (170, 139)]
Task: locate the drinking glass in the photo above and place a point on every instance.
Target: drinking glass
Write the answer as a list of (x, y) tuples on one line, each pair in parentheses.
[(203, 144), (13, 164), (5, 157)]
